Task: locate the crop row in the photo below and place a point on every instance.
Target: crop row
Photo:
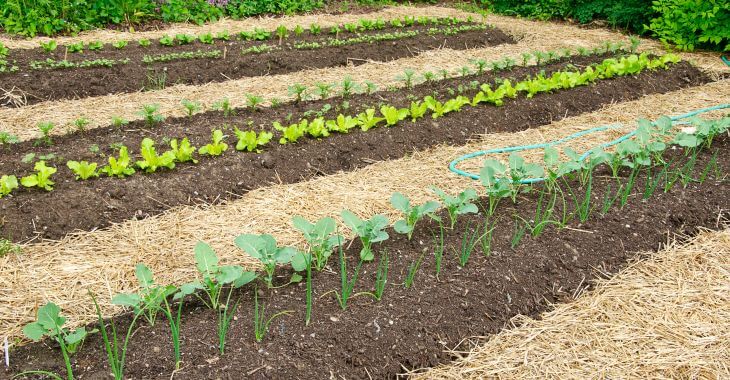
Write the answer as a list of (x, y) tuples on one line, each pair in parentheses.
[(644, 153), (182, 151), (449, 26)]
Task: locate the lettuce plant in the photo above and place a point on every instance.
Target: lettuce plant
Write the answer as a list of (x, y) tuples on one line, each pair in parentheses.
[(457, 205), (367, 120), (8, 183), (83, 169), (322, 238), (217, 147), (183, 150), (120, 44), (119, 166), (49, 322), (393, 115), (342, 124), (76, 47), (417, 110), (41, 178), (317, 128), (213, 277), (249, 141), (151, 161), (411, 213), (369, 231), (264, 248), (292, 133), (206, 38)]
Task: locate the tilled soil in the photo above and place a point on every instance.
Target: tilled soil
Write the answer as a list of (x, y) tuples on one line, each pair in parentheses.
[(411, 327), (43, 85), (86, 205)]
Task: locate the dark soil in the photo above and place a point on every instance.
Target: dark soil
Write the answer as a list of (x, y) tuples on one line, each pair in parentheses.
[(88, 205), (42, 85), (411, 328)]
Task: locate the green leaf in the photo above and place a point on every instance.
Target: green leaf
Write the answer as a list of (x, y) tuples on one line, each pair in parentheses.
[(402, 227), (129, 300), (144, 275), (34, 331), (299, 261), (205, 258), (228, 274), (76, 336), (244, 278), (400, 202), (49, 316)]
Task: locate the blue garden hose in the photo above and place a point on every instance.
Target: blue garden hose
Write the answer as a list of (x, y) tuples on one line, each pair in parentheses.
[(519, 148)]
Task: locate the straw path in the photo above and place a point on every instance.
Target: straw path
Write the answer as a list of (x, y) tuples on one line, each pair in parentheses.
[(532, 35), (664, 317), (104, 260)]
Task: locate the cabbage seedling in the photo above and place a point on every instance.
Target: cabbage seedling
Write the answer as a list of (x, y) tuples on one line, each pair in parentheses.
[(324, 90), (369, 231), (457, 205), (299, 91), (264, 248), (248, 141), (83, 169), (213, 277), (412, 214), (49, 322), (321, 237), (217, 147), (148, 301), (119, 167), (42, 177), (151, 161), (8, 183)]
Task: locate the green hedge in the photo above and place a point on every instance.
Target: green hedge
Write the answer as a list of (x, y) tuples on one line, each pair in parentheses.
[(688, 24), (49, 17)]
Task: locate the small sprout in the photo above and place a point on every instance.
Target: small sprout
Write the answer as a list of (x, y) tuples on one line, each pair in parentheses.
[(370, 87), (412, 214), (45, 128), (96, 45), (480, 65), (224, 105), (191, 106), (150, 114), (458, 205), (50, 323), (260, 322), (49, 46), (81, 124), (8, 183), (144, 42), (224, 35), (7, 139), (183, 151), (299, 91), (252, 101), (119, 167), (151, 161), (407, 78), (348, 87), (7, 246)]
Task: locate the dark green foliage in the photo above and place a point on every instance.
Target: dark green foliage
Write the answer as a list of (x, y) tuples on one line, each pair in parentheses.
[(691, 24)]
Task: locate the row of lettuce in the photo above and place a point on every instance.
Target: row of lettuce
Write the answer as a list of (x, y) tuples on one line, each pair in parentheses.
[(353, 33), (214, 287), (182, 151)]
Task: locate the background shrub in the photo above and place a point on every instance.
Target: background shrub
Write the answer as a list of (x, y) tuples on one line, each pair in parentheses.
[(693, 23)]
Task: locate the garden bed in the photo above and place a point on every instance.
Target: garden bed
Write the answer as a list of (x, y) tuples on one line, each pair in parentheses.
[(411, 327), (230, 62), (90, 205)]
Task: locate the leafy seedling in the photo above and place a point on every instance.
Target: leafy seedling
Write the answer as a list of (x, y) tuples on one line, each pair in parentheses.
[(411, 214), (369, 231), (249, 141), (151, 161), (8, 183), (458, 205), (41, 178), (217, 147), (83, 169), (119, 166), (150, 114), (45, 128), (264, 249), (321, 237), (260, 322), (393, 115), (183, 150)]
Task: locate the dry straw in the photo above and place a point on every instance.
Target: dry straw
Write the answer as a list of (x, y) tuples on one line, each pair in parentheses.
[(532, 35), (104, 260), (667, 316)]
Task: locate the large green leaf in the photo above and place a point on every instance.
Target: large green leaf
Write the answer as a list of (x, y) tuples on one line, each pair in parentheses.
[(205, 258)]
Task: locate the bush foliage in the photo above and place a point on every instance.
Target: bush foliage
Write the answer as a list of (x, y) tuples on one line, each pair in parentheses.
[(49, 17), (688, 24)]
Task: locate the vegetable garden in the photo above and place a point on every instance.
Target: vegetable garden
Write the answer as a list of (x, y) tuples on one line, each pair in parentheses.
[(353, 196)]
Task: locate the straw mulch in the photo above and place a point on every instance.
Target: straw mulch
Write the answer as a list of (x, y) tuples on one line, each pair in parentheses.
[(532, 35), (667, 316), (104, 260)]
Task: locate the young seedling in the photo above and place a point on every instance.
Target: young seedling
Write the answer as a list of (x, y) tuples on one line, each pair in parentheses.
[(480, 65), (381, 276), (412, 270), (249, 141), (315, 29), (411, 214), (150, 114), (321, 237), (151, 161), (49, 46), (8, 247), (260, 322), (299, 91), (367, 120), (191, 107), (407, 78), (119, 122), (370, 87), (264, 248), (457, 205), (8, 183), (95, 45), (224, 105), (468, 243), (342, 124), (49, 322), (324, 90), (417, 110), (148, 302), (215, 148), (119, 167), (45, 128), (83, 169), (282, 32), (347, 285), (293, 132), (120, 44), (81, 124), (349, 87), (253, 101), (213, 277), (8, 139), (41, 178), (369, 231)]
